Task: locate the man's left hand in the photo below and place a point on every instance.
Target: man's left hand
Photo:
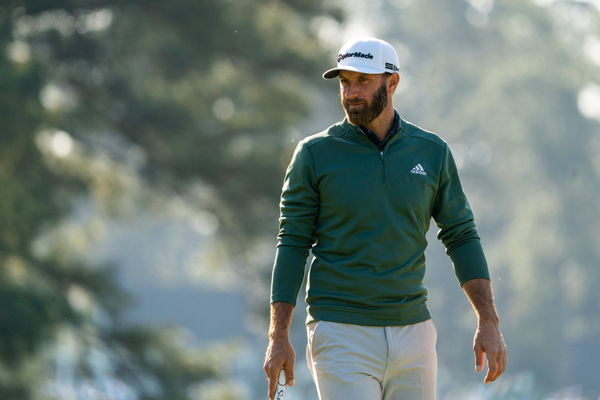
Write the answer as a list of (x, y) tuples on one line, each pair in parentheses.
[(488, 339)]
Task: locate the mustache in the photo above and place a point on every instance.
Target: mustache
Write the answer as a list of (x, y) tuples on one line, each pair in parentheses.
[(355, 101)]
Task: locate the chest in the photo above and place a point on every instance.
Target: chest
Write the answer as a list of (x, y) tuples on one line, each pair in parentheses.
[(396, 180)]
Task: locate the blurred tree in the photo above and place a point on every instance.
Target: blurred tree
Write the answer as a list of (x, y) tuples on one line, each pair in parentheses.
[(42, 298), (207, 94), (195, 97)]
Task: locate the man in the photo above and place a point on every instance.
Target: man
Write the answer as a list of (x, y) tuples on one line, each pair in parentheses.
[(361, 194)]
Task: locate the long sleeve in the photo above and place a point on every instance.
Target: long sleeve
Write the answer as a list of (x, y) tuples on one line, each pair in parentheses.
[(299, 208), (458, 233)]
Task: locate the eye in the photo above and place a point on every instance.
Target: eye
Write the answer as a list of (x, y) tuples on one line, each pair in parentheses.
[(362, 79)]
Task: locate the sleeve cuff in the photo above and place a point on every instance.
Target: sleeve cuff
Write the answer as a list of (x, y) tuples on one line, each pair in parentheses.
[(469, 262), (288, 273)]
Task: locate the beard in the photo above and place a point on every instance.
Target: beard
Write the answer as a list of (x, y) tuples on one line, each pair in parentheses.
[(369, 111)]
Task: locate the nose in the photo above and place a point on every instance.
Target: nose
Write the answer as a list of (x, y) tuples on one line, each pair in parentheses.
[(350, 91)]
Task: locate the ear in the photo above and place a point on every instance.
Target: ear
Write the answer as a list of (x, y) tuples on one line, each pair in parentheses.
[(393, 81)]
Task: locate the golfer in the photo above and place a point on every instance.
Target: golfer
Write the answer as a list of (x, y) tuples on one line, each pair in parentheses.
[(361, 195)]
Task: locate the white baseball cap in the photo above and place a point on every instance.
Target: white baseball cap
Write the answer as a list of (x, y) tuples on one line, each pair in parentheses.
[(368, 55)]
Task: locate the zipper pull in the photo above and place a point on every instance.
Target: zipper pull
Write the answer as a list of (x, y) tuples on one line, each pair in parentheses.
[(381, 154)]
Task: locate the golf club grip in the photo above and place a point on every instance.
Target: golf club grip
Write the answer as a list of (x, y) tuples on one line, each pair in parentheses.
[(280, 391)]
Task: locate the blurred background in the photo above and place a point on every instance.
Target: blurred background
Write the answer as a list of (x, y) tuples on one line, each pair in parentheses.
[(142, 151)]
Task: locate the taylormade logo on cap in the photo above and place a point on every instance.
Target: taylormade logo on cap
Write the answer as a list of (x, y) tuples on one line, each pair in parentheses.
[(369, 55), (343, 56)]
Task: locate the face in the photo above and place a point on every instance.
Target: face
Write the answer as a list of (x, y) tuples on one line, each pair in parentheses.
[(363, 96)]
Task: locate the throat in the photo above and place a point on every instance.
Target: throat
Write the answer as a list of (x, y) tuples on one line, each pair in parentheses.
[(380, 136)]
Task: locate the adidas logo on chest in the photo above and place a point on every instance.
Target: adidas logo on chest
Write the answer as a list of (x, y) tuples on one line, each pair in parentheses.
[(418, 169)]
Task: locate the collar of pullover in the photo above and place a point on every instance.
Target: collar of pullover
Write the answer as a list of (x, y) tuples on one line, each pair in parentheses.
[(373, 137)]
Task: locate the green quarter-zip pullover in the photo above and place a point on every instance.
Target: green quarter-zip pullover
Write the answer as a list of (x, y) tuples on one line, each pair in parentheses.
[(365, 211)]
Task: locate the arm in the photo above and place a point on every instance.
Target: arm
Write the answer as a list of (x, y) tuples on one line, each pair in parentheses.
[(299, 207), (280, 353), (488, 338), (453, 215)]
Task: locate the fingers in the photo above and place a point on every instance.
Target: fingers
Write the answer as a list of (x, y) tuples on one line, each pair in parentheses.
[(272, 370), (492, 371), (272, 375), (496, 364), (505, 360), (501, 364), (478, 358), (273, 378), (289, 374)]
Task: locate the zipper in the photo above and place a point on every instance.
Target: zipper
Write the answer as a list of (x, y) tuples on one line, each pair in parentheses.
[(382, 164), (381, 151)]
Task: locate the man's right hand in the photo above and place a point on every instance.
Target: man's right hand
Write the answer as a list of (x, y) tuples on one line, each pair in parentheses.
[(280, 355)]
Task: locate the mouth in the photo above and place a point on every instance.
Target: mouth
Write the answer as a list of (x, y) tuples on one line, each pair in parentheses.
[(355, 104)]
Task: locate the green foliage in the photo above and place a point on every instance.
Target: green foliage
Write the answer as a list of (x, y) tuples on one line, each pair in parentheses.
[(163, 358), (205, 89), (202, 93)]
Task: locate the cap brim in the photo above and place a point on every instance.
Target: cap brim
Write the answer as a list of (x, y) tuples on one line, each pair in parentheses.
[(333, 72)]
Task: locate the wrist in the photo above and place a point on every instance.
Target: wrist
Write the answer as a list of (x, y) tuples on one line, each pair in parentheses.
[(281, 320), (488, 320), (279, 334)]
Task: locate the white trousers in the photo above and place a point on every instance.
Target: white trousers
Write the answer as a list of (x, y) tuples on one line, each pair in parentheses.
[(356, 362)]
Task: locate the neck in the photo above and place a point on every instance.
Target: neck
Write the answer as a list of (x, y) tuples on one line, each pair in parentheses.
[(383, 123)]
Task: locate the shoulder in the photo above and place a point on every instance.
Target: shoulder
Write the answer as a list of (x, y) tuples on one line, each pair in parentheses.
[(307, 146), (418, 133), (336, 130)]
